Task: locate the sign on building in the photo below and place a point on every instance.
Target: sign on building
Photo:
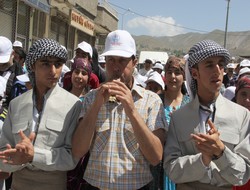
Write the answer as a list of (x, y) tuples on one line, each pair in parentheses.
[(82, 23)]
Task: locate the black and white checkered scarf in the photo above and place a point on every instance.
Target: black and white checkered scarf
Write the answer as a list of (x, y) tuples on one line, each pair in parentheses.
[(43, 48), (199, 52)]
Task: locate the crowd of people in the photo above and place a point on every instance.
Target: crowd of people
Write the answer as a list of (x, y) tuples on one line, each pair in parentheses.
[(103, 123)]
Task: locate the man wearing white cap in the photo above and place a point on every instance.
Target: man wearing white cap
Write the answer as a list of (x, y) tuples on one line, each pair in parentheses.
[(8, 71), (17, 44), (229, 78), (102, 62), (158, 67), (122, 125), (155, 83), (18, 51), (6, 60), (5, 53)]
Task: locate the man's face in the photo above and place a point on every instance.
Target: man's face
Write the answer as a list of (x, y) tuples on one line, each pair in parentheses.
[(82, 54), (103, 65), (147, 65), (230, 71), (209, 75), (47, 72), (120, 67), (154, 87)]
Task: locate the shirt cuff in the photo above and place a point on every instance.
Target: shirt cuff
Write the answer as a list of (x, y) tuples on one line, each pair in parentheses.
[(208, 168)]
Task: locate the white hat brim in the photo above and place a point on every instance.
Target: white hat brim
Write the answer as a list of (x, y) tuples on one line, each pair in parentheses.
[(5, 58), (119, 53), (154, 80)]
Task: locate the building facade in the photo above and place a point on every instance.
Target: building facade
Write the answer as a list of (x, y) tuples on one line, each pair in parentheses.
[(67, 21)]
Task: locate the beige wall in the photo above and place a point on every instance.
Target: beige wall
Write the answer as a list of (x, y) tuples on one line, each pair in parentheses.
[(89, 6), (105, 18)]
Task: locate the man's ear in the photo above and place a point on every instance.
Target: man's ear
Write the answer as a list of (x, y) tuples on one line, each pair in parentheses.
[(194, 73), (135, 62)]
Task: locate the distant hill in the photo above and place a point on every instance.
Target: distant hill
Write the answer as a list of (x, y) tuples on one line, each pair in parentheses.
[(238, 43)]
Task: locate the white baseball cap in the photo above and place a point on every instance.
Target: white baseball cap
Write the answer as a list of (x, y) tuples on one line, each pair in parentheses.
[(84, 46), (139, 79), (158, 66), (17, 44), (5, 49), (245, 63), (23, 77), (101, 59), (156, 77), (119, 43), (243, 71), (231, 65)]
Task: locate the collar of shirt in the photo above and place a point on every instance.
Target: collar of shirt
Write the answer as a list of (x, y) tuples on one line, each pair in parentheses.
[(205, 114), (137, 89), (36, 114)]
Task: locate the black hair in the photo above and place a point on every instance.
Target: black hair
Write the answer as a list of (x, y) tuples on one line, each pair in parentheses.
[(21, 53)]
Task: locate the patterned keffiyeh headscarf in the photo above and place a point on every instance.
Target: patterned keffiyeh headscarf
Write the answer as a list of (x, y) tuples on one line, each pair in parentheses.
[(199, 52), (43, 48)]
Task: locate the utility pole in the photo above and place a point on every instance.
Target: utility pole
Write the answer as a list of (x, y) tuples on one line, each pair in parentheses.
[(225, 36), (123, 14)]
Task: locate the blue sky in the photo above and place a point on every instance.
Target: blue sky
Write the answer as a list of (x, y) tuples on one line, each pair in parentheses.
[(173, 17)]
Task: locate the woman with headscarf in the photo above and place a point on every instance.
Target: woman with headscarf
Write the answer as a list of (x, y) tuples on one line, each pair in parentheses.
[(80, 75), (35, 142), (242, 97), (242, 92)]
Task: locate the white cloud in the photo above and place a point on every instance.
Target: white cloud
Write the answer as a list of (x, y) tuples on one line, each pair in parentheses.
[(156, 26)]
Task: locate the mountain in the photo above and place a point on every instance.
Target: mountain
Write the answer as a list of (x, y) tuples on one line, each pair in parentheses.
[(238, 43)]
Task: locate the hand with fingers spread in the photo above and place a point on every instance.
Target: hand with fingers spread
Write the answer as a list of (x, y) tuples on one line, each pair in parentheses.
[(22, 153), (209, 144)]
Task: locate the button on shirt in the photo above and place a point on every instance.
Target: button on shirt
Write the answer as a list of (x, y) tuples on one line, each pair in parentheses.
[(116, 161)]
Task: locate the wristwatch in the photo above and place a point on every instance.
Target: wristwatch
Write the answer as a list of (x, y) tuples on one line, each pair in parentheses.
[(216, 157)]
